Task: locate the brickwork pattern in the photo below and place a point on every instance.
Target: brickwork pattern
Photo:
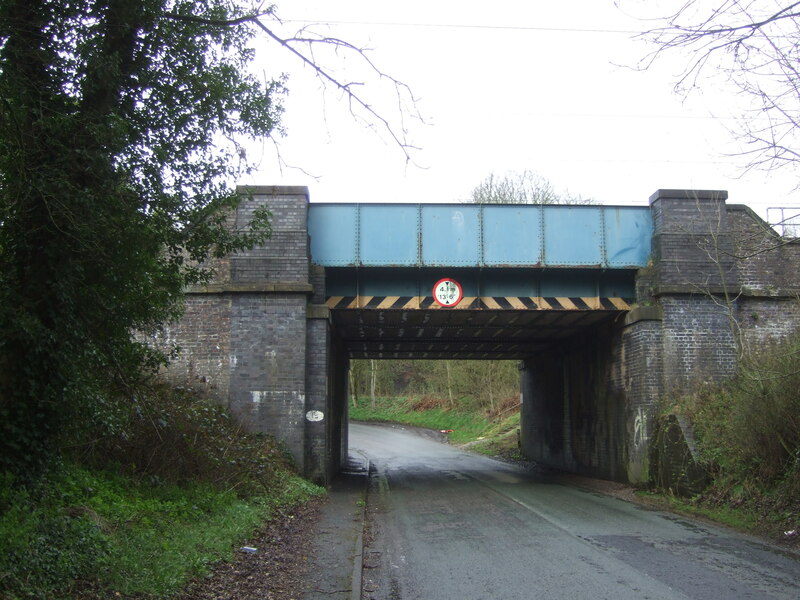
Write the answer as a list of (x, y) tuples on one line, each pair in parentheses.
[(203, 339), (697, 237), (318, 396), (698, 341), (338, 386), (317, 277), (767, 264), (249, 348), (692, 246), (284, 257), (726, 284), (637, 378), (268, 391), (764, 320)]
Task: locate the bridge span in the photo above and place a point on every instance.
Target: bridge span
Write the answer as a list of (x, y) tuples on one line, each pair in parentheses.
[(607, 308), (523, 274)]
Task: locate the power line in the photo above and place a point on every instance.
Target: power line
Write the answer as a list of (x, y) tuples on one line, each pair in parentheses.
[(465, 26)]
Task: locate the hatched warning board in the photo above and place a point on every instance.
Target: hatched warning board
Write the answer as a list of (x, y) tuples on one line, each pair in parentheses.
[(479, 303)]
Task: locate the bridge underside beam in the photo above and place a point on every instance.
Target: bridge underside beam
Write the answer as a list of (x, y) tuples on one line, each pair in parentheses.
[(464, 334)]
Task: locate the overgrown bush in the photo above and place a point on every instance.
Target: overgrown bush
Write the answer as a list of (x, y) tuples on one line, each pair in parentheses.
[(43, 546), (748, 430), (173, 435), (141, 502)]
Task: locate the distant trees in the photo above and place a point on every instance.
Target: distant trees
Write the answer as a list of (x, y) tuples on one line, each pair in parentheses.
[(525, 187), (475, 384)]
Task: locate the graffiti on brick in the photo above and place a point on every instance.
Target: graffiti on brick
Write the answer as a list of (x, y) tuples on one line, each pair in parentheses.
[(640, 437)]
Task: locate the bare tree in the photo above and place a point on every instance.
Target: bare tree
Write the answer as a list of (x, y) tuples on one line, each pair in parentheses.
[(525, 187), (752, 44)]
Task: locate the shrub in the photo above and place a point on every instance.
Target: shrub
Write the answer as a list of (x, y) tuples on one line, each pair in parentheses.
[(749, 428), (43, 545), (173, 435), (138, 508)]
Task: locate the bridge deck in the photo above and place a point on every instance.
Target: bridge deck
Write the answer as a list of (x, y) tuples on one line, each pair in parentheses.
[(529, 274), (479, 235)]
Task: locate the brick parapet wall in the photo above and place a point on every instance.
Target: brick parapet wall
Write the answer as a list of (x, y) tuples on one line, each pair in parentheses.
[(689, 211), (768, 264), (708, 317), (284, 257), (692, 247), (725, 285)]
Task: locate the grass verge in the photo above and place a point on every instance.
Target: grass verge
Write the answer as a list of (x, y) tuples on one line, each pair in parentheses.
[(98, 534), (100, 526), (739, 518), (500, 439), (468, 426)]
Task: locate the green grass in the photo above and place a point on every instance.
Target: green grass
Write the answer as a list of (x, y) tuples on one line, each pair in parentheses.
[(740, 518), (99, 530), (501, 439), (140, 509), (467, 426)]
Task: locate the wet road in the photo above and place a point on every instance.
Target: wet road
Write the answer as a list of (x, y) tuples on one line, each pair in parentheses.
[(446, 524)]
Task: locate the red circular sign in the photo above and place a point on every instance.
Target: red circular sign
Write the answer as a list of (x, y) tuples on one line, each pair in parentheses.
[(447, 292)]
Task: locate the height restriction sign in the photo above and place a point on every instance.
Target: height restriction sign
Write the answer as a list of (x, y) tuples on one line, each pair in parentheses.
[(447, 292)]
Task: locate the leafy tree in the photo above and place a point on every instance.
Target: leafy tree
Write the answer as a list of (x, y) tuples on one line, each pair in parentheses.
[(526, 187), (119, 124), (752, 44), (121, 133)]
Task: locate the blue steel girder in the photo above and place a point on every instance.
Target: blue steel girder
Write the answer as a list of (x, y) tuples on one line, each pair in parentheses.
[(479, 235)]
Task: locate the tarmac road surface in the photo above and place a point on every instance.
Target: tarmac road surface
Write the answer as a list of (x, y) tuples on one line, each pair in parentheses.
[(445, 524)]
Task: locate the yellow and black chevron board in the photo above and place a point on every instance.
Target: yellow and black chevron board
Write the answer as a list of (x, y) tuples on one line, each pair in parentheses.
[(478, 303)]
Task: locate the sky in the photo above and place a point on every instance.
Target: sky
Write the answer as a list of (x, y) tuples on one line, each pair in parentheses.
[(549, 87)]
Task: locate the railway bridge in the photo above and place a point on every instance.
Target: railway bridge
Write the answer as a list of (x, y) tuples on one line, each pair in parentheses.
[(606, 308)]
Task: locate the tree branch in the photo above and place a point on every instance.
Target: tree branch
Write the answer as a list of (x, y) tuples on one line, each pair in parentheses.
[(753, 45), (346, 88), (355, 99)]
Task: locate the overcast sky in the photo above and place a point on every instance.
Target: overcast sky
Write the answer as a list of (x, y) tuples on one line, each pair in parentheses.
[(506, 86)]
